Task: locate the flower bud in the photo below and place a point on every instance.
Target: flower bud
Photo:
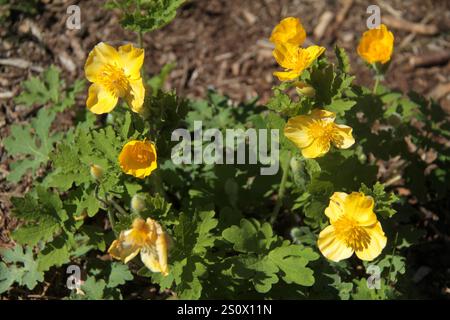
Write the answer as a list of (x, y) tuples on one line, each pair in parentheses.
[(96, 172), (137, 203), (304, 89)]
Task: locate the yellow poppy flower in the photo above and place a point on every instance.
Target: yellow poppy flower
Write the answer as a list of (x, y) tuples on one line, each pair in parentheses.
[(294, 59), (146, 237), (289, 30), (114, 74), (314, 133), (376, 45), (138, 158), (353, 228)]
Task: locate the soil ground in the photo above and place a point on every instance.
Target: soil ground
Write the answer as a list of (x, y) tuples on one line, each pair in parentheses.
[(220, 44)]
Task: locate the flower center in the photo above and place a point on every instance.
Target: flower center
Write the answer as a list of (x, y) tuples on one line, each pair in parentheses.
[(354, 236), (142, 155), (114, 80), (142, 233), (321, 131)]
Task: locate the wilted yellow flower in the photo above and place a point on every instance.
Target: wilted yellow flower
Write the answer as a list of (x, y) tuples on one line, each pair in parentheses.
[(289, 30), (146, 237), (114, 74), (294, 59), (376, 45), (138, 158), (314, 133), (353, 228)]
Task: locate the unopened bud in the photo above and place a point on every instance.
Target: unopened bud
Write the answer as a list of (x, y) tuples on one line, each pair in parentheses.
[(305, 89), (137, 203), (96, 172), (82, 216)]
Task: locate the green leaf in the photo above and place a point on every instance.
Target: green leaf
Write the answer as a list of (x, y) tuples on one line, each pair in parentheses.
[(19, 267), (343, 59), (40, 91), (119, 275), (250, 236), (292, 260), (258, 270), (384, 201), (94, 290), (43, 213), (150, 15), (55, 253), (30, 144), (340, 106)]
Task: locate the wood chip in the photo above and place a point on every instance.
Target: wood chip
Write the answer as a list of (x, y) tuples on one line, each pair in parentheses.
[(324, 21), (67, 62), (440, 91), (402, 24), (6, 95), (429, 59), (20, 63), (249, 17)]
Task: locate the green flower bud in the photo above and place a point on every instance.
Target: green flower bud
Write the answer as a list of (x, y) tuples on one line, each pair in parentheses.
[(96, 172), (137, 203)]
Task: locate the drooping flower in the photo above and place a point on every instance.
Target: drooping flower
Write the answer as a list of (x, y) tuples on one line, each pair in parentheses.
[(138, 158), (114, 74), (294, 59), (376, 45), (145, 237), (289, 30), (353, 228), (314, 133)]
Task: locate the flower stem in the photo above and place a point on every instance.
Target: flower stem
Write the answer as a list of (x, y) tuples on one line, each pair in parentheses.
[(139, 33), (111, 217), (392, 255), (158, 184), (375, 86), (281, 189)]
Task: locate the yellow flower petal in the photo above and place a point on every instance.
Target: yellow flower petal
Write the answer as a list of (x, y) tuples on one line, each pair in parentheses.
[(138, 158), (376, 245), (312, 53), (376, 45), (132, 60), (150, 259), (100, 100), (314, 133), (296, 130), (124, 249), (336, 207), (342, 137), (360, 208), (331, 247), (287, 56), (318, 148), (294, 59), (102, 54), (155, 255), (323, 115), (286, 75), (135, 97), (289, 30)]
